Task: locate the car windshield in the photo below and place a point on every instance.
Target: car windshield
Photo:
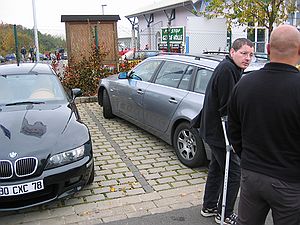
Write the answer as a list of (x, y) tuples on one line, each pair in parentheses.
[(32, 88)]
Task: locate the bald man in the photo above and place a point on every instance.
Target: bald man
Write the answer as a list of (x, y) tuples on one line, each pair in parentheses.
[(264, 129)]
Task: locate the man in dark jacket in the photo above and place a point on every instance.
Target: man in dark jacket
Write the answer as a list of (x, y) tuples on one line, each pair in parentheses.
[(264, 128), (217, 94), (23, 53)]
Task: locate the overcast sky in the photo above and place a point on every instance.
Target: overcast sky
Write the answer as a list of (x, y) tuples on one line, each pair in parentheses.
[(48, 13)]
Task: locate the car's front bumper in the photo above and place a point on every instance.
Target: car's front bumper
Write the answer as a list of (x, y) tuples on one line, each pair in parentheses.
[(58, 183)]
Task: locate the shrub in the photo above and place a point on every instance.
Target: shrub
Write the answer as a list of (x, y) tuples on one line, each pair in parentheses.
[(86, 73), (127, 65)]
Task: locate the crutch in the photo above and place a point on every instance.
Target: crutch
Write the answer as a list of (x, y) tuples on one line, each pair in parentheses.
[(228, 149)]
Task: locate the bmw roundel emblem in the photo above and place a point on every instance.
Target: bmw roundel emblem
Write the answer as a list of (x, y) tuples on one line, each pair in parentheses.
[(13, 155)]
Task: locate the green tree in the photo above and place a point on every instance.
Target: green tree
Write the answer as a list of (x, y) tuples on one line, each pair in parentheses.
[(26, 39), (266, 13)]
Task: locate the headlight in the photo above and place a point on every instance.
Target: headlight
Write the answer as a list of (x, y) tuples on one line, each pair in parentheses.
[(65, 157)]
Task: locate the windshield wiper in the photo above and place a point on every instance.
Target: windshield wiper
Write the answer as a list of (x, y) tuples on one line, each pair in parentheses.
[(24, 103)]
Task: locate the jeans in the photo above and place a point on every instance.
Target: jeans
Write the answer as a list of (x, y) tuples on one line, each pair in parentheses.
[(260, 193), (214, 185)]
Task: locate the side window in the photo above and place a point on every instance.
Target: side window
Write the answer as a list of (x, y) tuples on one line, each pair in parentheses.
[(202, 78), (171, 74), (145, 70), (184, 83)]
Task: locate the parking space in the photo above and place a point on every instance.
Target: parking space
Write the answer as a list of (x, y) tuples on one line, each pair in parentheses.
[(136, 174)]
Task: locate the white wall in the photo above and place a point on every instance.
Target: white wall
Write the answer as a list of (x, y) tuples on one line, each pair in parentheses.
[(148, 35), (239, 32), (206, 34)]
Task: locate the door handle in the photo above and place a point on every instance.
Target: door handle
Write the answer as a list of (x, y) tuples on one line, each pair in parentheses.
[(140, 92), (173, 100)]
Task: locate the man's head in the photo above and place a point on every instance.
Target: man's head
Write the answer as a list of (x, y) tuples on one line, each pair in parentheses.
[(241, 52), (284, 46)]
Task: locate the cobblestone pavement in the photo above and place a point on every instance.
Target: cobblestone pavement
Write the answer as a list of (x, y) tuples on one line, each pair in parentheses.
[(136, 174)]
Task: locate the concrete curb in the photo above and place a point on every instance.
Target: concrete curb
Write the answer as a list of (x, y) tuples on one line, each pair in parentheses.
[(86, 99)]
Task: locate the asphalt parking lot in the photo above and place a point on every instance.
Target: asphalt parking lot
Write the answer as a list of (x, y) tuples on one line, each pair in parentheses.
[(136, 175)]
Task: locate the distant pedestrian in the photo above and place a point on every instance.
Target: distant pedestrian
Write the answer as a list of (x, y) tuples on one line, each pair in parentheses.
[(264, 128), (31, 52), (23, 53), (57, 56)]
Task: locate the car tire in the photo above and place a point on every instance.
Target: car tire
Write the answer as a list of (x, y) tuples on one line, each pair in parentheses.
[(92, 176), (189, 146), (107, 111)]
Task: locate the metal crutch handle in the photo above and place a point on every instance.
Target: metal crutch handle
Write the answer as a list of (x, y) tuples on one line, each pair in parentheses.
[(228, 149)]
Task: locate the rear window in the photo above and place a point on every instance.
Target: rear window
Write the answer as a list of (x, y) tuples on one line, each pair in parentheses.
[(202, 78), (171, 74)]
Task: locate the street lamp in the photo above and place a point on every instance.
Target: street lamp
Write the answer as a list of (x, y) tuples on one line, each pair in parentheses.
[(103, 9), (35, 32)]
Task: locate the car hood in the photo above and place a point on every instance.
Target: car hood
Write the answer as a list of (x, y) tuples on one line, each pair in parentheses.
[(41, 129)]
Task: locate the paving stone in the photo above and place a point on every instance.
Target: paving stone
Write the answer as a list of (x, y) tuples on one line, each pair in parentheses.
[(165, 180), (185, 171), (82, 193), (74, 201), (157, 170), (95, 198), (179, 184), (37, 215), (161, 187), (138, 213), (152, 176), (169, 174), (181, 205), (85, 208), (73, 219), (182, 177), (108, 183), (116, 194), (144, 206), (114, 218), (144, 166), (127, 180), (51, 221), (173, 168), (115, 176), (148, 161), (152, 182), (160, 210), (135, 191), (137, 158), (128, 174)]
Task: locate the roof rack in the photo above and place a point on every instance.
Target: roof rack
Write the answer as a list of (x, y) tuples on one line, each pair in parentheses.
[(216, 52), (197, 57), (258, 55)]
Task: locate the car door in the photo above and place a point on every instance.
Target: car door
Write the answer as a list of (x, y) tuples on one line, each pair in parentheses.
[(164, 95), (132, 91)]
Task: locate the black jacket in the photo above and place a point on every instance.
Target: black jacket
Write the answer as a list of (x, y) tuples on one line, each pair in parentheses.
[(217, 94), (264, 121)]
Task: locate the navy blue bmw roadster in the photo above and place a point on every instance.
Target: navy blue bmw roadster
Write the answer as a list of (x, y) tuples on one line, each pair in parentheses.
[(45, 149)]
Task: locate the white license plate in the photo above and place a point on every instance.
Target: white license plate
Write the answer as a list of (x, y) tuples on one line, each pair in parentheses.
[(20, 189)]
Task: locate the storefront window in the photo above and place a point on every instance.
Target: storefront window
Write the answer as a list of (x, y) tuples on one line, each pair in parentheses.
[(258, 36)]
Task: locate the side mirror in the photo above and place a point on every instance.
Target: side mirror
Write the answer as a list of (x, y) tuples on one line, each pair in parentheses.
[(76, 92), (123, 75)]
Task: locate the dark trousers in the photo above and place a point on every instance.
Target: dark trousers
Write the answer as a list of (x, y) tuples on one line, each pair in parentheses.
[(215, 179), (260, 193)]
